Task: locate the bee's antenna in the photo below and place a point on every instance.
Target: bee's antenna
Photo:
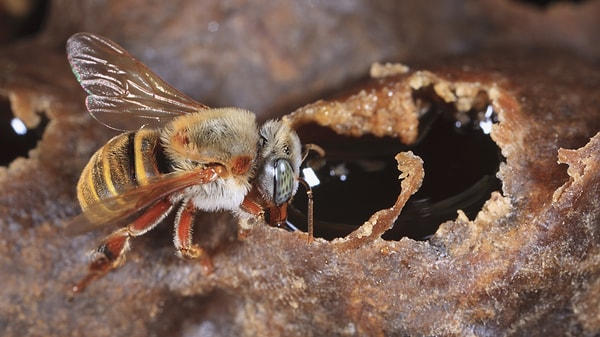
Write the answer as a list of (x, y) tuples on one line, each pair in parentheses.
[(309, 193), (309, 216), (312, 147)]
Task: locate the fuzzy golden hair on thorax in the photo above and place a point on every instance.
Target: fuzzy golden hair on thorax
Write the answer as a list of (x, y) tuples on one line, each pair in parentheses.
[(226, 136)]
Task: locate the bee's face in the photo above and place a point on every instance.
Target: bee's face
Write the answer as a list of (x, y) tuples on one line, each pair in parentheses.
[(279, 158)]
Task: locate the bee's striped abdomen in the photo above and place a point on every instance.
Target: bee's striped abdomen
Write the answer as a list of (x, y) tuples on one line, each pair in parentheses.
[(124, 163)]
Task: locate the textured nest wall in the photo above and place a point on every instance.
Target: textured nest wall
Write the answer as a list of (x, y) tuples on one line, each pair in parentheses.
[(528, 263)]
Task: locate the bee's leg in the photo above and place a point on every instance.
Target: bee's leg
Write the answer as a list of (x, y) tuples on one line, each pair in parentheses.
[(184, 221), (111, 253)]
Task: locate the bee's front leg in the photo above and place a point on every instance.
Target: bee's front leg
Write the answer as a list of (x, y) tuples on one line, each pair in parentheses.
[(184, 221), (111, 253)]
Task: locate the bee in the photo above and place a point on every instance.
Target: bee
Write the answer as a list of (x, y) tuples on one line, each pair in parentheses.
[(175, 155)]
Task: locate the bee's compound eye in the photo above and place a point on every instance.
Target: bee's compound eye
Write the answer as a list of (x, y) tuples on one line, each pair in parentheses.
[(284, 182)]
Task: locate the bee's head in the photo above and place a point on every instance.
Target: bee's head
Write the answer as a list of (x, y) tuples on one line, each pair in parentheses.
[(279, 159)]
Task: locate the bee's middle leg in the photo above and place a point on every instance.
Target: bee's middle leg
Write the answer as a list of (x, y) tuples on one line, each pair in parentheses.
[(184, 221), (111, 253)]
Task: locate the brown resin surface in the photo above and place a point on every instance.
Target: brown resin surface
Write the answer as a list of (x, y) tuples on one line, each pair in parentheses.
[(527, 264)]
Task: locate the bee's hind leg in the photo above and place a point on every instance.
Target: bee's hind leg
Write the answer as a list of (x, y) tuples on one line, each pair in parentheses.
[(111, 253), (184, 221)]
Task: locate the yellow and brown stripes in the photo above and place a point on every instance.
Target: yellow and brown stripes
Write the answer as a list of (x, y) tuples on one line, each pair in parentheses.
[(124, 163)]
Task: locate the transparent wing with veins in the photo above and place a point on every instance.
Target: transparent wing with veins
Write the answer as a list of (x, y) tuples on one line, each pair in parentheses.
[(138, 198), (123, 93)]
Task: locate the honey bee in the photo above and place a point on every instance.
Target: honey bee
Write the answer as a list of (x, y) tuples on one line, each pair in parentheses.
[(177, 155)]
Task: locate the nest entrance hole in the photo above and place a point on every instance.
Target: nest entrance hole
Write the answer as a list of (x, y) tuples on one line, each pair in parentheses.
[(358, 176)]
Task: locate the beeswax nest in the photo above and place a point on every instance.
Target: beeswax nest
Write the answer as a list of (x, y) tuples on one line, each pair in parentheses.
[(526, 263)]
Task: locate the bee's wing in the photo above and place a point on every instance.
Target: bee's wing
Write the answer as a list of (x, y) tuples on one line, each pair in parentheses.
[(123, 93), (135, 200)]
